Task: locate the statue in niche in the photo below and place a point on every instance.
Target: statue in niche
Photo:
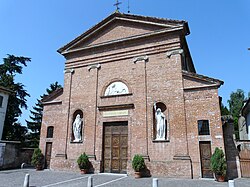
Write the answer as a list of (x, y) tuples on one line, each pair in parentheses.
[(160, 124), (77, 127)]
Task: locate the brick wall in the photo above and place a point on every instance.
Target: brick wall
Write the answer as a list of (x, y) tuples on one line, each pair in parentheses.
[(158, 79)]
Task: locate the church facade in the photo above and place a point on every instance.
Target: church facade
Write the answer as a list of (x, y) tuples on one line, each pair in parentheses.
[(130, 87)]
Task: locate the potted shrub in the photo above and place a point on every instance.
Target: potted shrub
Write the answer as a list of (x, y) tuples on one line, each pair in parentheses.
[(138, 165), (83, 163), (37, 159), (218, 164)]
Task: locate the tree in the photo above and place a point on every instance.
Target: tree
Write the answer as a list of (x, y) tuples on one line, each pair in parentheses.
[(224, 110), (235, 104), (12, 66), (34, 124), (52, 88), (236, 101)]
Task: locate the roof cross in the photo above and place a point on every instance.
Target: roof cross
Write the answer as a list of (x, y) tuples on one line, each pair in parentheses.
[(117, 5)]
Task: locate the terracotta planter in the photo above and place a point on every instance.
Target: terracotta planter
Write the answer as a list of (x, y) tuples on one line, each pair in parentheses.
[(39, 167), (84, 171), (137, 175), (220, 178)]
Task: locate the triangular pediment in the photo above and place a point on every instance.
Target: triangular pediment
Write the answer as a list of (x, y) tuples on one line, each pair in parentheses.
[(54, 96), (193, 80), (119, 27), (117, 30)]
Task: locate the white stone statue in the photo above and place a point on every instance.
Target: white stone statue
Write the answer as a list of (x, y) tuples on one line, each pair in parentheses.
[(77, 127), (116, 88), (113, 90), (160, 124)]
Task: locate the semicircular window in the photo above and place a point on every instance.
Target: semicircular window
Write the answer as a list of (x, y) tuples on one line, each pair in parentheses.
[(116, 88)]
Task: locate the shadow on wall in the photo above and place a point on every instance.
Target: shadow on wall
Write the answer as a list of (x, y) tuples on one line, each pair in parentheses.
[(231, 152), (12, 155)]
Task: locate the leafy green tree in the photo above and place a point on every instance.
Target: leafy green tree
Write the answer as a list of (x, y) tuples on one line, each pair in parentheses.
[(224, 110), (34, 124), (12, 66), (236, 101), (235, 104)]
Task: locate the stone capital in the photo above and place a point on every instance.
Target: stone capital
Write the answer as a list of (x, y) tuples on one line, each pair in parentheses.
[(94, 66), (174, 52), (69, 71), (140, 58)]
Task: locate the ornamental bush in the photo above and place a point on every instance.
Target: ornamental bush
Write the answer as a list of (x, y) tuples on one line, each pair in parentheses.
[(218, 162), (37, 157), (83, 161), (138, 163)]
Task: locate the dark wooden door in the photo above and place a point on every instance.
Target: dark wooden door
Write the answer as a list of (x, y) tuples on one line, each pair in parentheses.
[(245, 163), (48, 154), (205, 154), (115, 147)]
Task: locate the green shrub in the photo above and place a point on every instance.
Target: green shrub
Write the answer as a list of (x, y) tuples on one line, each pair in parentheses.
[(218, 162), (83, 161), (138, 163), (37, 157)]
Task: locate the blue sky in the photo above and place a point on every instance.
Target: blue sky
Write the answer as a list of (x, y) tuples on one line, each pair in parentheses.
[(218, 41)]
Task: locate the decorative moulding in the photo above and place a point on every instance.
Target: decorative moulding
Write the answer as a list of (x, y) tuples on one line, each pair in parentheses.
[(115, 107), (140, 58), (160, 141), (92, 157), (174, 52), (61, 155), (120, 95), (52, 102), (69, 70), (146, 157), (76, 142), (94, 66), (181, 157)]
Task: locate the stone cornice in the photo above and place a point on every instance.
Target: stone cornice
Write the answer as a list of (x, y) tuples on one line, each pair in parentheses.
[(106, 44), (59, 102), (201, 87), (162, 22), (53, 95), (82, 62), (196, 76)]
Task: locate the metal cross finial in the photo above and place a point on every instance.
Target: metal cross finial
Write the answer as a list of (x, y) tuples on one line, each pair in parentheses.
[(128, 7), (117, 5)]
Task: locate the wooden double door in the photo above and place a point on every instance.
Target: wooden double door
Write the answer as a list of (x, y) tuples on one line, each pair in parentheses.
[(115, 147)]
